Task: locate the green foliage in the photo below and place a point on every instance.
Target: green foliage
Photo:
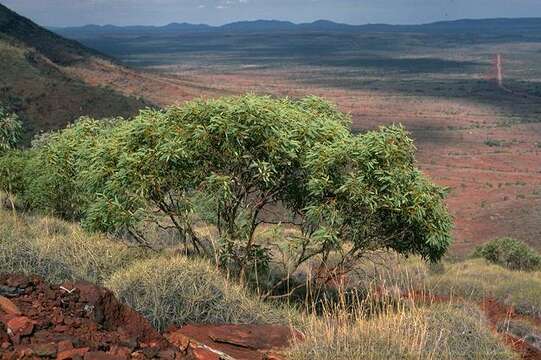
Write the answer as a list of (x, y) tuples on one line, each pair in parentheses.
[(367, 189), (54, 170), (510, 253), (12, 171), (494, 142), (11, 129), (230, 162)]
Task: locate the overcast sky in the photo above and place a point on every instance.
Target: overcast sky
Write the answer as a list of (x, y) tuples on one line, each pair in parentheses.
[(215, 12)]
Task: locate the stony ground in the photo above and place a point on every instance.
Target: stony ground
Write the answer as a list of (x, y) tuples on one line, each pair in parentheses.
[(83, 321)]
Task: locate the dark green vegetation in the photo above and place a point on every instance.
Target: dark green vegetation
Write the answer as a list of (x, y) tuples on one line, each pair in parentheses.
[(10, 130), (237, 165), (35, 81), (510, 253)]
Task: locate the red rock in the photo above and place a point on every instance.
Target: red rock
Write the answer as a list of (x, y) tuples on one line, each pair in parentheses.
[(65, 345), (204, 354), (71, 354), (100, 355), (44, 350), (120, 351), (8, 306), (273, 356), (21, 326), (61, 328), (138, 355), (23, 352), (18, 281), (79, 323), (179, 339), (129, 342), (243, 342), (4, 337), (167, 355)]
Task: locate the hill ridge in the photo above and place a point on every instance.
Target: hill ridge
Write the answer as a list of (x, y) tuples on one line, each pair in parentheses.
[(38, 81), (465, 24)]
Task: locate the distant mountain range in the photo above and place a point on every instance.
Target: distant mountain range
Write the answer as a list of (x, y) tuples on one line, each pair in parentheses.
[(499, 25)]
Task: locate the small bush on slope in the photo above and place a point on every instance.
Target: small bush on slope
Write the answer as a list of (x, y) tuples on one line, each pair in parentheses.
[(12, 173), (11, 129), (59, 251), (54, 182), (510, 253), (441, 331), (178, 290)]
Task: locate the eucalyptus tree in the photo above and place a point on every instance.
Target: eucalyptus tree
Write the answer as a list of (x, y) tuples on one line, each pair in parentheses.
[(242, 163)]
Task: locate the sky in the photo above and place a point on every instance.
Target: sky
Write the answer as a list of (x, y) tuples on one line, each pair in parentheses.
[(217, 12)]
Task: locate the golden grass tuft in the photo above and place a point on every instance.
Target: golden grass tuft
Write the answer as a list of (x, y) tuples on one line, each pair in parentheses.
[(178, 290), (59, 251), (439, 331)]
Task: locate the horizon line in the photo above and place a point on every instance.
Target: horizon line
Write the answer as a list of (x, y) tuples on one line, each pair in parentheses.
[(298, 23)]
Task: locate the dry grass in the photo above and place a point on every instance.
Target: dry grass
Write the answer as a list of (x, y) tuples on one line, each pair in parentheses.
[(478, 279), (173, 289), (473, 280), (59, 251), (439, 331), (177, 290)]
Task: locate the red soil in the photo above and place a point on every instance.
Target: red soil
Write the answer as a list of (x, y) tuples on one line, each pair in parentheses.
[(497, 313)]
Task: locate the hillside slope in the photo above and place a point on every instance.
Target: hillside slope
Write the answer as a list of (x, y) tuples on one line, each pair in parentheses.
[(37, 81)]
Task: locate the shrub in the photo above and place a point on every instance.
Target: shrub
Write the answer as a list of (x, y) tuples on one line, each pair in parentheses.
[(494, 143), (13, 172), (177, 290), (10, 130), (58, 161), (243, 155), (440, 331), (510, 253), (227, 162)]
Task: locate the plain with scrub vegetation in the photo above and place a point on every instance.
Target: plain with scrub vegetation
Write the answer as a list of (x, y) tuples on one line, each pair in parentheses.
[(276, 208)]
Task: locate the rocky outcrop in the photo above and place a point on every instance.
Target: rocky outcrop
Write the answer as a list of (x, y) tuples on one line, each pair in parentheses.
[(83, 321), (74, 321)]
